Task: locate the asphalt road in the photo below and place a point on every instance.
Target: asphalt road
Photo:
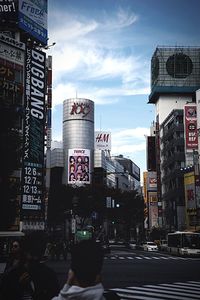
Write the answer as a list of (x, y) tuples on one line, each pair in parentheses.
[(123, 268)]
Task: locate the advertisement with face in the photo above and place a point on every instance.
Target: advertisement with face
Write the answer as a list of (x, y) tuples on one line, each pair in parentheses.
[(78, 166)]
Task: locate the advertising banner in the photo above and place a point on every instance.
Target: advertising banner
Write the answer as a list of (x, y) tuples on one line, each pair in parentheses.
[(11, 72), (33, 18), (32, 202), (79, 166), (152, 181), (8, 12), (191, 137), (102, 140), (153, 214)]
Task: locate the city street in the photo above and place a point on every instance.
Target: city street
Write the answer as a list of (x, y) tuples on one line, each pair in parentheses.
[(138, 274)]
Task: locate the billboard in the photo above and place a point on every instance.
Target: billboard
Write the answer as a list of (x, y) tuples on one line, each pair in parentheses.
[(78, 166), (102, 140), (152, 181), (11, 74), (32, 202), (32, 18), (191, 137), (8, 12)]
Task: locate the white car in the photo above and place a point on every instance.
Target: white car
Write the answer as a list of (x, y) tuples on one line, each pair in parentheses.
[(150, 246)]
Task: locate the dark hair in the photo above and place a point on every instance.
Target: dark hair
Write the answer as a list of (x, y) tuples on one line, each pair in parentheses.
[(34, 243), (86, 261)]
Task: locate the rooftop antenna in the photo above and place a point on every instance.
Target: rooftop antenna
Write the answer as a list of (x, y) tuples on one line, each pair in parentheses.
[(76, 94), (100, 122)]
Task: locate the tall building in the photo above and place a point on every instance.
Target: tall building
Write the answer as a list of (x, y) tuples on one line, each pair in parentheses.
[(175, 77), (78, 140), (23, 36)]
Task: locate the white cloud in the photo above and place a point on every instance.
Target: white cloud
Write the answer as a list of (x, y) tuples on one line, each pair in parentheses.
[(83, 57), (129, 141)]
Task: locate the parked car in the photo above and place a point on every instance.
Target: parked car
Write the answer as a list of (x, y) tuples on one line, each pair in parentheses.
[(150, 246)]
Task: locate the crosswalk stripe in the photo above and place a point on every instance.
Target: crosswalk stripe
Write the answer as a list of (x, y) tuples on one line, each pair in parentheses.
[(143, 291), (173, 288), (181, 285), (178, 291), (147, 257), (171, 291)]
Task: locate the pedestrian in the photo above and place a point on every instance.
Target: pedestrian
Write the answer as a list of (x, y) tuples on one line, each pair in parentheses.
[(14, 257), (84, 276), (31, 279)]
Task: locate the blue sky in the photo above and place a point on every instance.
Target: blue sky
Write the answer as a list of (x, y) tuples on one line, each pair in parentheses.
[(103, 52)]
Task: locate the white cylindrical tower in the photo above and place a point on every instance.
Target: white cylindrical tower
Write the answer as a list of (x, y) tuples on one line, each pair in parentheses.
[(78, 140)]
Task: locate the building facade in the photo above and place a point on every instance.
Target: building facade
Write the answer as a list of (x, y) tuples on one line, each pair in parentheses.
[(175, 77)]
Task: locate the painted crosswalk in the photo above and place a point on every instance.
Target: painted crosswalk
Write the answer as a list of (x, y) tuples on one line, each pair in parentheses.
[(140, 257), (189, 290)]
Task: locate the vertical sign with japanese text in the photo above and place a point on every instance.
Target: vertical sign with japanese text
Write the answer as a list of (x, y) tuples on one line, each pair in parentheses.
[(32, 202), (191, 138)]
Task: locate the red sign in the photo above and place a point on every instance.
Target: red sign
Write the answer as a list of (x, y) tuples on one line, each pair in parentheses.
[(80, 108)]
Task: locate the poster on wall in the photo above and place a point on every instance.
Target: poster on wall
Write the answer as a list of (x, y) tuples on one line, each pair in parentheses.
[(191, 137), (78, 166), (32, 201)]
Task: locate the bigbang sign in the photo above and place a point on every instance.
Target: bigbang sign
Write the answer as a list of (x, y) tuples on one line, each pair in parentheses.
[(34, 123)]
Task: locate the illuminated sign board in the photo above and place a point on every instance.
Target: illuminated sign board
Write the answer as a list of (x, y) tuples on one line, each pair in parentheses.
[(32, 202), (78, 166)]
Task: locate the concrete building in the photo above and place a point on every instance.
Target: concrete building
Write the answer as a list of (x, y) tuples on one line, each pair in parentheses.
[(175, 77)]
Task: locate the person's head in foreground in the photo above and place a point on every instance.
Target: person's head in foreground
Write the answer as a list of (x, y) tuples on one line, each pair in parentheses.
[(86, 262)]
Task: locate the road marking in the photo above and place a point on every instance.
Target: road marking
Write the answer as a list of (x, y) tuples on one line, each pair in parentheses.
[(178, 291)]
